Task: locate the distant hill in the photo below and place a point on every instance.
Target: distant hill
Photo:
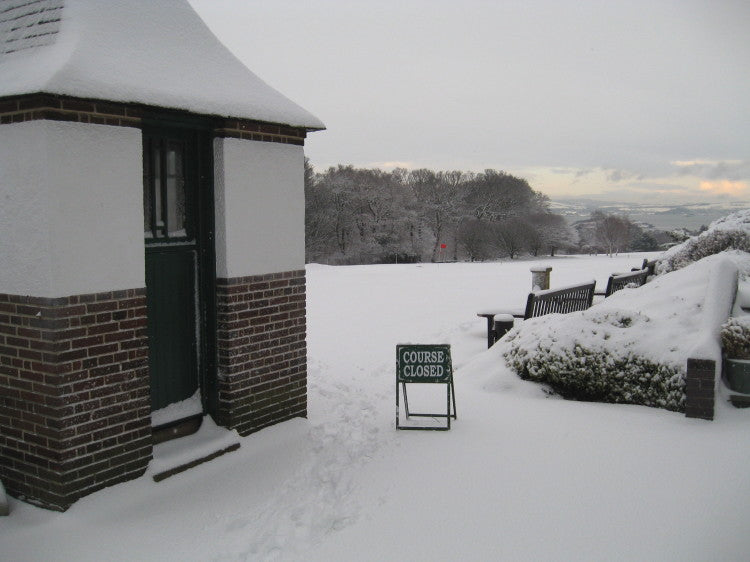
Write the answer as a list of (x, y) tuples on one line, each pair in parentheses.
[(689, 216)]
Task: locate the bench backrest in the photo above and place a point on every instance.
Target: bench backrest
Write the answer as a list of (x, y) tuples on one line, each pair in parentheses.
[(649, 265), (567, 299), (617, 282)]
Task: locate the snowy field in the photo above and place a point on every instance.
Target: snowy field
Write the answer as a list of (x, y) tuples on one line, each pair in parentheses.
[(520, 475)]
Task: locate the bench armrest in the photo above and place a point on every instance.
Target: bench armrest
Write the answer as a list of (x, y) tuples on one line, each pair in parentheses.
[(489, 314)]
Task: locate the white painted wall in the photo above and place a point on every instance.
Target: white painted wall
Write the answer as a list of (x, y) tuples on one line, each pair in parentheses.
[(260, 207), (71, 208)]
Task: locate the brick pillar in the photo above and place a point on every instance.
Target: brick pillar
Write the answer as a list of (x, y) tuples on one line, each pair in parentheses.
[(74, 394), (261, 349), (700, 388)]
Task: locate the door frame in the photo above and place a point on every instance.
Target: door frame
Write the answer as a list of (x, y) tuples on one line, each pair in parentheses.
[(199, 133)]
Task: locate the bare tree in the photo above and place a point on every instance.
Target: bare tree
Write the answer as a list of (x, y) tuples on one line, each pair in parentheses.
[(474, 237), (553, 231), (437, 194), (318, 231), (495, 196), (512, 235), (534, 240), (612, 231), (356, 215)]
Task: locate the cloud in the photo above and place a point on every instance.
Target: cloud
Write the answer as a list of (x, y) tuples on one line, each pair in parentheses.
[(617, 175), (704, 162), (732, 170), (579, 174), (726, 187)]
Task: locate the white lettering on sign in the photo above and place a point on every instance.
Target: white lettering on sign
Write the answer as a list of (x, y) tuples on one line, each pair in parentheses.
[(423, 357), (423, 364), (423, 370)]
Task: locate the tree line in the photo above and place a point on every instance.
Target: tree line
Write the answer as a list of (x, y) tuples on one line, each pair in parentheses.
[(357, 215)]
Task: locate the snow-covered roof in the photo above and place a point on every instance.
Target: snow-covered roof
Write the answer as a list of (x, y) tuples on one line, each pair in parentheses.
[(158, 53)]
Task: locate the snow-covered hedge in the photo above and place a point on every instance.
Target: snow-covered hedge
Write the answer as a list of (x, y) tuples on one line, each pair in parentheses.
[(587, 374), (735, 337), (631, 347), (586, 368), (729, 233)]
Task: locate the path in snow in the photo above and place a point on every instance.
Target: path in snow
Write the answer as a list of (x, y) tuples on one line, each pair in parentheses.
[(319, 498)]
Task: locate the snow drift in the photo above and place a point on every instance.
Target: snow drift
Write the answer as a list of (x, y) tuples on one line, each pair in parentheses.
[(728, 233), (632, 347)]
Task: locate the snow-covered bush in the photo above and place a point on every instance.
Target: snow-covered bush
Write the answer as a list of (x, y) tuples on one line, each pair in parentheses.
[(585, 374), (735, 337), (633, 346), (588, 371), (728, 233)]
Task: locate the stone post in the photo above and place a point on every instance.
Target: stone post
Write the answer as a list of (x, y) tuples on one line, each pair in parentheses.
[(540, 277)]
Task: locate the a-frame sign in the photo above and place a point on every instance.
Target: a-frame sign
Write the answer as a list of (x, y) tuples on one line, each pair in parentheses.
[(425, 364)]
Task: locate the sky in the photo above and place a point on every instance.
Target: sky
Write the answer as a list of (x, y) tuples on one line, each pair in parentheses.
[(640, 101)]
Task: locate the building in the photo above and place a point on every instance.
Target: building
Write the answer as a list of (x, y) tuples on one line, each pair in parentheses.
[(152, 217)]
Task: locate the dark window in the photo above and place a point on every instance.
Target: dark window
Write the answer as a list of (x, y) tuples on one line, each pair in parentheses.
[(164, 199)]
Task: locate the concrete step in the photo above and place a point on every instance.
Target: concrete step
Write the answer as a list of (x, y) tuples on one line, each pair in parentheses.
[(178, 455), (193, 463)]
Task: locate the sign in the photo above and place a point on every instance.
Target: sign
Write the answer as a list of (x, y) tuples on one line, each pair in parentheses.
[(424, 364)]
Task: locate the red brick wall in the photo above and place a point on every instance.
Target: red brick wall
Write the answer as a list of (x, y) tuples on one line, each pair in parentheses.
[(262, 354), (74, 394), (32, 107)]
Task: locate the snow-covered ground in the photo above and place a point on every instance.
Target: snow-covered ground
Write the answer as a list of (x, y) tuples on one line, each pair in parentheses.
[(520, 475)]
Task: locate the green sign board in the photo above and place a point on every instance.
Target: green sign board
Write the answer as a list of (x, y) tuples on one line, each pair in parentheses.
[(423, 363), (420, 364)]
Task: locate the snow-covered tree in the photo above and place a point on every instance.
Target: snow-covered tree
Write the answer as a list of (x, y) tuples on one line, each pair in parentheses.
[(612, 231), (728, 233)]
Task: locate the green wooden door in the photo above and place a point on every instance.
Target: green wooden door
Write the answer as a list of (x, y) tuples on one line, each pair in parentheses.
[(176, 319), (171, 301)]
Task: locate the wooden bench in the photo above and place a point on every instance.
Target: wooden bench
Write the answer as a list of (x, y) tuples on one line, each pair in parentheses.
[(539, 303), (649, 265), (619, 281)]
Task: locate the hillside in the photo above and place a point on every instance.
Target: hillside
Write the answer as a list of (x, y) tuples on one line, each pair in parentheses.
[(662, 217)]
